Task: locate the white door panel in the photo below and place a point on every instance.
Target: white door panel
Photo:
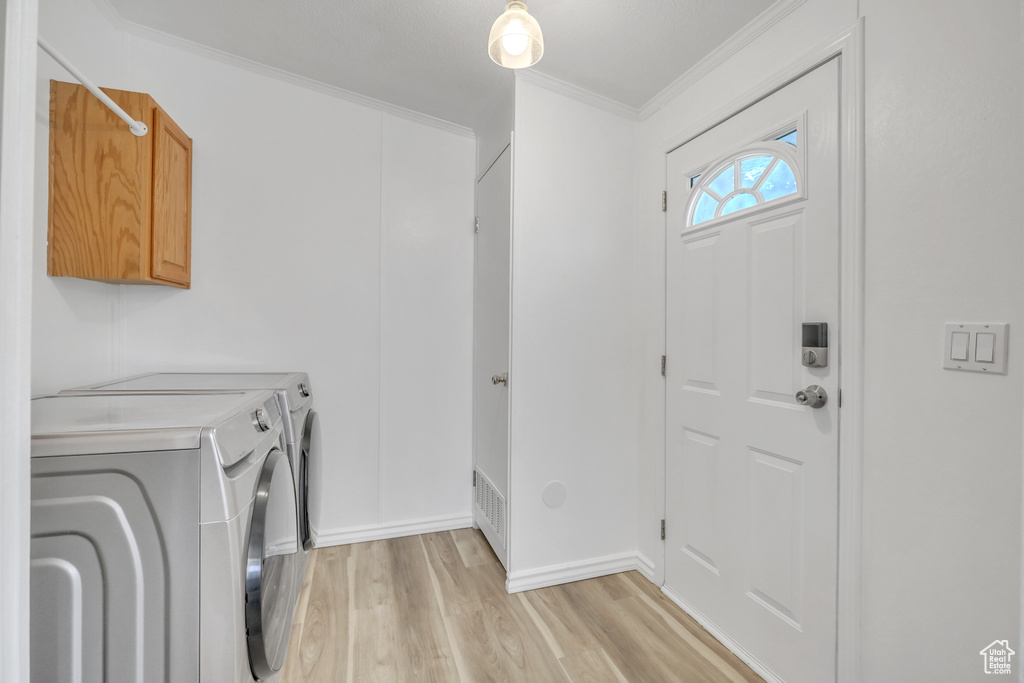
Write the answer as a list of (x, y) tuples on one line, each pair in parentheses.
[(751, 504), (491, 330)]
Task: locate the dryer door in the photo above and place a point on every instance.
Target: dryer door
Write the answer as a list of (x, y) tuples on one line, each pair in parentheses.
[(309, 452), (272, 573)]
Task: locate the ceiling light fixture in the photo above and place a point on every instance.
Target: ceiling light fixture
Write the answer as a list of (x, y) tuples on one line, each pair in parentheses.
[(516, 41)]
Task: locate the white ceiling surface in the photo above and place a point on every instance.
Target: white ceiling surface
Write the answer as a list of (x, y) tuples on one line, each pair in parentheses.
[(430, 56)]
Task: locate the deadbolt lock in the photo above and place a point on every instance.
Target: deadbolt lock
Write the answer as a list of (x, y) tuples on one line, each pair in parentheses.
[(815, 351)]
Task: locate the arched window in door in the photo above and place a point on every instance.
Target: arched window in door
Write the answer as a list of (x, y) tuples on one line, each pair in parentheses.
[(765, 173)]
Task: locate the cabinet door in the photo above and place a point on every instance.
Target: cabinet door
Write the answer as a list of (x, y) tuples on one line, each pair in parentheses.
[(172, 201), (99, 194)]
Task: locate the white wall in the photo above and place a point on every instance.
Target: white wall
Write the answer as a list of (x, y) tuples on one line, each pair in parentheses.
[(327, 236), (74, 322), (493, 128), (942, 489), (427, 323), (573, 407), (942, 450)]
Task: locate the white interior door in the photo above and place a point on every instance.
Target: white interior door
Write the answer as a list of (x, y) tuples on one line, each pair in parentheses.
[(752, 475), (491, 329)]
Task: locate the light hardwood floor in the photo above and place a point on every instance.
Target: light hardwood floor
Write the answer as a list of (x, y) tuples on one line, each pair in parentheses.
[(434, 608)]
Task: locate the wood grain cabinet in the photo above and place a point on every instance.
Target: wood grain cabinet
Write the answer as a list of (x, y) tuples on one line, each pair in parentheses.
[(120, 206)]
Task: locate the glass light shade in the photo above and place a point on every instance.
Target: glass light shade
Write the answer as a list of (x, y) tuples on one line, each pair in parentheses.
[(516, 41)]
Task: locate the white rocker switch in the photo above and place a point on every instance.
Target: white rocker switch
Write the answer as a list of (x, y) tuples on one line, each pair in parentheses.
[(976, 347), (985, 347), (958, 346)]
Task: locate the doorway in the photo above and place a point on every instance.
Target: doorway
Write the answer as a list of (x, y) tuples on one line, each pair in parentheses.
[(752, 420), (491, 345)]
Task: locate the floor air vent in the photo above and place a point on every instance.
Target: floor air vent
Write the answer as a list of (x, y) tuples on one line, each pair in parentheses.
[(491, 504)]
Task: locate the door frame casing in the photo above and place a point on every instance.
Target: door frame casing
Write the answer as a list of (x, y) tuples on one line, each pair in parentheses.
[(848, 47), (17, 163)]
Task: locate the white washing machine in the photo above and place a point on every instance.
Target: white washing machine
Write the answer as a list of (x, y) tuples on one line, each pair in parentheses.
[(164, 538), (295, 394)]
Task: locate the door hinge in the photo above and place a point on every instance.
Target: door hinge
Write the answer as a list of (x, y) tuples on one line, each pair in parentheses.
[(474, 478), (663, 530), (664, 361), (840, 398), (664, 200), (476, 225)]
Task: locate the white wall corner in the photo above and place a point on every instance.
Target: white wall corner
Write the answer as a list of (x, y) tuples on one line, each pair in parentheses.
[(646, 567), (378, 532), (555, 575), (261, 69), (739, 40), (574, 92)]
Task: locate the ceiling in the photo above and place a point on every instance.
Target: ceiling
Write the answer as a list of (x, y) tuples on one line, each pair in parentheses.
[(430, 56)]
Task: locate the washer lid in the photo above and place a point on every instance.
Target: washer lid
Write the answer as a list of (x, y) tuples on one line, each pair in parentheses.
[(204, 381), (102, 423), (294, 389)]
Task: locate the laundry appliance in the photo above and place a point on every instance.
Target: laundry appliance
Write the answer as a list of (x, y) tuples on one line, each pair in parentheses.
[(294, 393), (164, 538)]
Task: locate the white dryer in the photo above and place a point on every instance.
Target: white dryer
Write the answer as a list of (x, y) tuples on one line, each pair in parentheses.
[(295, 394), (164, 538)]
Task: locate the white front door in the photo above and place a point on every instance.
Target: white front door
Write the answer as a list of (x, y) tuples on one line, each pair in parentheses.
[(491, 329), (752, 475)]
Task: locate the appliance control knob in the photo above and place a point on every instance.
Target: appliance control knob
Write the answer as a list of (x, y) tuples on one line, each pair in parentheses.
[(303, 389), (261, 420)]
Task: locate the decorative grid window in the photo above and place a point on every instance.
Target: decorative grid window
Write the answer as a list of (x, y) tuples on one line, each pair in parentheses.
[(789, 137), (755, 177)]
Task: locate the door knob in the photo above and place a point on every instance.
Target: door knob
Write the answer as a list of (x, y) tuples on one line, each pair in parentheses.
[(500, 379), (813, 396)]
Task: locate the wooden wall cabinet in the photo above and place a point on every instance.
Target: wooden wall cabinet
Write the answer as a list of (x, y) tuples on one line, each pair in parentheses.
[(120, 206)]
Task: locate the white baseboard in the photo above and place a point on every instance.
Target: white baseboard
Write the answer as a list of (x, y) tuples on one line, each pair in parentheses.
[(377, 532), (646, 567), (750, 660), (577, 571)]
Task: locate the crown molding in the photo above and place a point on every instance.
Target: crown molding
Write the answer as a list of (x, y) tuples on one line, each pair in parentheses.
[(739, 40), (770, 17), (146, 33), (577, 93)]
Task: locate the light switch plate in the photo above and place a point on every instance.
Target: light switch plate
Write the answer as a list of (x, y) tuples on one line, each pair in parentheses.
[(972, 364)]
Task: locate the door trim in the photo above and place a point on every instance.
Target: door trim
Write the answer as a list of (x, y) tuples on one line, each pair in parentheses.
[(848, 46), (17, 162)]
